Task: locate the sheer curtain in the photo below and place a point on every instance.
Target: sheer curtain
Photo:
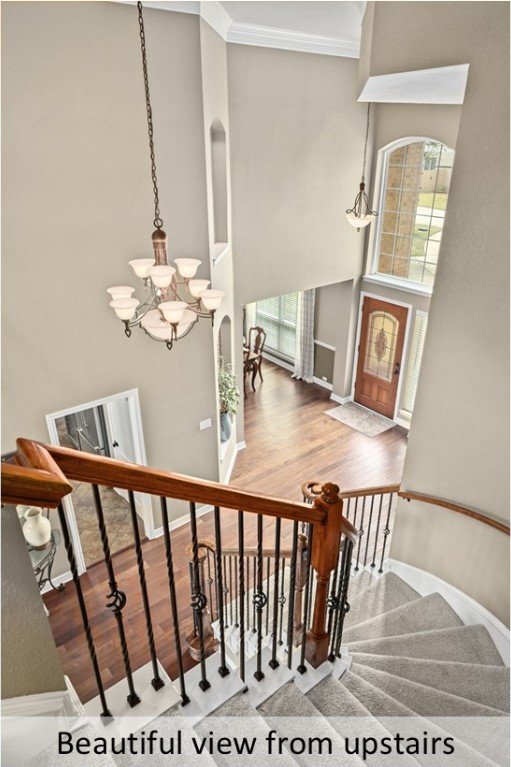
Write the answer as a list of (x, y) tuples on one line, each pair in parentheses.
[(304, 352)]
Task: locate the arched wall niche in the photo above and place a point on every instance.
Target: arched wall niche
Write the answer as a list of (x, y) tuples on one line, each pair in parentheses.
[(225, 340), (219, 181)]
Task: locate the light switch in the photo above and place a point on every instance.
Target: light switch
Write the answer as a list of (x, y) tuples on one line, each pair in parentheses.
[(205, 424)]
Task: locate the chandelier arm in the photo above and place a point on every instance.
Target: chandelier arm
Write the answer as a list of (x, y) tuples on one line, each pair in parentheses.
[(158, 221)]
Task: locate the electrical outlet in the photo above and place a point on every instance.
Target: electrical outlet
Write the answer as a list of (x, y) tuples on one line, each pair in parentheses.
[(205, 424)]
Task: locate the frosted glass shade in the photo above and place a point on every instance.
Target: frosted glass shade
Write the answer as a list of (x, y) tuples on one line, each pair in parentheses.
[(161, 275), (141, 266), (211, 299), (196, 287), (187, 266), (156, 326), (173, 310), (359, 222), (125, 308), (188, 318), (120, 291)]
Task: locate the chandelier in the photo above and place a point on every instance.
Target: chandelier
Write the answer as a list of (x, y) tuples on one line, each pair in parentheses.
[(174, 299), (360, 215)]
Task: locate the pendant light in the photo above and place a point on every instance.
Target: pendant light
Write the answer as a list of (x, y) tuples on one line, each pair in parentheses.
[(175, 300), (361, 215)]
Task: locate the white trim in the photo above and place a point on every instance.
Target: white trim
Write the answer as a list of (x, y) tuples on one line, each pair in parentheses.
[(289, 40), (324, 345), (241, 445), (183, 520), (62, 703), (404, 358), (390, 282), (438, 85), (324, 384), (58, 580), (278, 361), (230, 468), (401, 422), (341, 400), (218, 251), (216, 16), (470, 611)]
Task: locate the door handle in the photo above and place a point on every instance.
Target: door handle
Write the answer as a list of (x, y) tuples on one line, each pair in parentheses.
[(398, 368), (115, 443)]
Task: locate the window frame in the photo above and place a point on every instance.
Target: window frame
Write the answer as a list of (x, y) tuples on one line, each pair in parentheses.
[(371, 271), (403, 411), (281, 323)]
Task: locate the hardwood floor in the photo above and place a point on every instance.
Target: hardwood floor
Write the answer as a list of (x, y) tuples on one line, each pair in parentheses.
[(289, 440)]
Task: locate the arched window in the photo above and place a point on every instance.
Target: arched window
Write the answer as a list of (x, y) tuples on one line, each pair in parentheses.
[(415, 186)]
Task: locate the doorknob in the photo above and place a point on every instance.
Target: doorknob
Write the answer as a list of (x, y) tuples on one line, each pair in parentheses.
[(115, 443), (398, 368)]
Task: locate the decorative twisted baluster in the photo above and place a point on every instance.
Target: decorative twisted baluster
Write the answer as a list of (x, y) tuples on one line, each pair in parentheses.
[(209, 582), (105, 713), (259, 599), (268, 595), (386, 533), (302, 668), (373, 563), (241, 561), (248, 600), (223, 670), (361, 532), (282, 601), (369, 529), (344, 606), (173, 599), (117, 597), (273, 661), (157, 682), (199, 600), (292, 584)]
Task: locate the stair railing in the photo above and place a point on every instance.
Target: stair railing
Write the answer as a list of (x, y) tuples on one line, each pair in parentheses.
[(39, 475)]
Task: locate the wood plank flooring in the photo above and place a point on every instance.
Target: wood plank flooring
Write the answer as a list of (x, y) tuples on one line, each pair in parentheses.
[(289, 440)]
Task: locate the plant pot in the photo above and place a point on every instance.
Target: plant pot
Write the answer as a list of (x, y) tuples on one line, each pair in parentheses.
[(225, 427), (37, 529)]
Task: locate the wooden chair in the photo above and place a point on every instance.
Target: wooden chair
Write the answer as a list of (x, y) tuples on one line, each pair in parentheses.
[(253, 356)]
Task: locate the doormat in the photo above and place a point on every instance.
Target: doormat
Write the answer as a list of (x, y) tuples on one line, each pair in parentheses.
[(359, 418)]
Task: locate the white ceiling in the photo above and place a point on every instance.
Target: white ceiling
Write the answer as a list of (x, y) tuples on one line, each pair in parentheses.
[(339, 20)]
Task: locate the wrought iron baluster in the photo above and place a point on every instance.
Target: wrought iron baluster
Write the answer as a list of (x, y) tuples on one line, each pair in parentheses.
[(268, 594), (223, 670), (157, 682), (302, 668), (230, 590), (355, 512), (282, 600), (348, 509), (254, 591), (199, 600), (215, 583), (373, 563), (241, 562), (225, 591), (337, 600), (248, 600), (259, 599), (209, 581), (273, 661), (105, 713), (360, 533), (368, 532), (386, 533), (291, 606), (236, 596), (333, 589), (173, 599), (117, 597), (343, 597)]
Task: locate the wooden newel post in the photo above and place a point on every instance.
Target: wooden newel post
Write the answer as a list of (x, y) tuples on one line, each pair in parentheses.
[(325, 554)]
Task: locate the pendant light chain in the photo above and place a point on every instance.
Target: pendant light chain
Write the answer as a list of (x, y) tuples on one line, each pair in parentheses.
[(158, 222), (367, 138)]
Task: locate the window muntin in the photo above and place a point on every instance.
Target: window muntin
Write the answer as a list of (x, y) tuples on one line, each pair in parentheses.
[(414, 361), (417, 177), (278, 317)]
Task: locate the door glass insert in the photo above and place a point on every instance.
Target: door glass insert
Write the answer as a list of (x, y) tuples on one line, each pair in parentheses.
[(381, 345)]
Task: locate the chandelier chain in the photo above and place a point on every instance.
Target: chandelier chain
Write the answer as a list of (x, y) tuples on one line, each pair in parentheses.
[(158, 222), (366, 139)]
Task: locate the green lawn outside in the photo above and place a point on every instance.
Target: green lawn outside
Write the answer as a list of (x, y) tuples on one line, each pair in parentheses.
[(426, 200), (420, 238)]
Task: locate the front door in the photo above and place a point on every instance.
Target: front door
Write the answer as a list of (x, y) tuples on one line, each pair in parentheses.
[(380, 352)]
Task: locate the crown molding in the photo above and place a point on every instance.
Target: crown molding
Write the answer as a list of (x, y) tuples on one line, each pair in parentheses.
[(288, 40), (441, 85), (214, 14)]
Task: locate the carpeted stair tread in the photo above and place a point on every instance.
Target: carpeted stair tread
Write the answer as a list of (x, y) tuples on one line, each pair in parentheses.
[(385, 594), (463, 644), (430, 612), (289, 701), (488, 685), (361, 581), (423, 700)]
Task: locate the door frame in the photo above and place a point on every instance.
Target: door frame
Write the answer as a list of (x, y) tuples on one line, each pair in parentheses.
[(404, 358), (131, 395)]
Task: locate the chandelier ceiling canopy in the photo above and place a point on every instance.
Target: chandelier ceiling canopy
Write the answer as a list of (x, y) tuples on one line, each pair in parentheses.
[(175, 300)]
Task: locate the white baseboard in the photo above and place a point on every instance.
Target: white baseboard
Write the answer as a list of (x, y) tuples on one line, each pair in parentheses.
[(228, 473), (279, 362), (241, 445), (324, 384), (58, 580), (63, 703), (184, 520), (470, 611), (341, 400)]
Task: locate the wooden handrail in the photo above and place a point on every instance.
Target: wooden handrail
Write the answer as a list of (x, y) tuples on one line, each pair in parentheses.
[(85, 467), (33, 478), (312, 489), (409, 495)]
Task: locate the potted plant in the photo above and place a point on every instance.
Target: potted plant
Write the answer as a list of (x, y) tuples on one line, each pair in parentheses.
[(229, 397)]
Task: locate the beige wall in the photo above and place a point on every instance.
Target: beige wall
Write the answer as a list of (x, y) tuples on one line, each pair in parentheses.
[(458, 444), (30, 663), (296, 155), (77, 205)]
